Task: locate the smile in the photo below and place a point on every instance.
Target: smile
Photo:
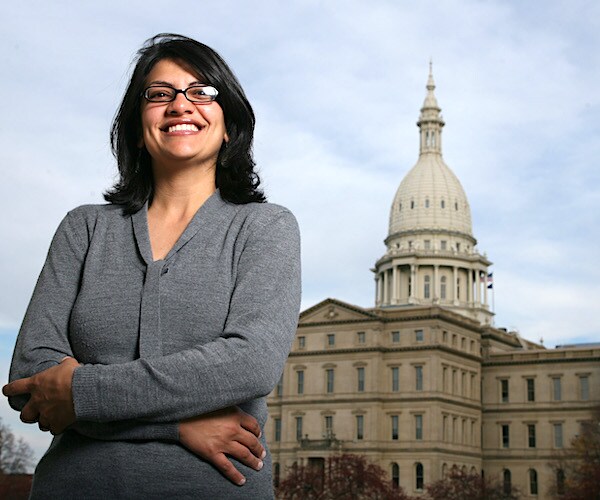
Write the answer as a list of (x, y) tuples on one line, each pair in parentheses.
[(183, 127)]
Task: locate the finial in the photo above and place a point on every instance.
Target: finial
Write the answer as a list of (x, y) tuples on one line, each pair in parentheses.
[(430, 82)]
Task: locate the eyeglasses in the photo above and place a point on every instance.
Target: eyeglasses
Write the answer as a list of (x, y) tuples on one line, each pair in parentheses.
[(201, 94)]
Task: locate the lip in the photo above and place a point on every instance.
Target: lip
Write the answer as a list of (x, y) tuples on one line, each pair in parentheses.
[(171, 123)]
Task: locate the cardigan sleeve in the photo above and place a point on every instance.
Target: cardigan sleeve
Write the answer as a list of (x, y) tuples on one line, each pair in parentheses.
[(43, 339), (245, 361)]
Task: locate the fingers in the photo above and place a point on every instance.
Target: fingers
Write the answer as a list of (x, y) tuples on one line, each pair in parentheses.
[(17, 387), (30, 413), (242, 454), (251, 442), (249, 423), (221, 462)]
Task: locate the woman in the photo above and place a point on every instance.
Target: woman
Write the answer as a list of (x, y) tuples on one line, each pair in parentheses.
[(161, 321)]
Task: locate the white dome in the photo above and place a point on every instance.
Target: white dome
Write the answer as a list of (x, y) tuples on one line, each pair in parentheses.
[(430, 197)]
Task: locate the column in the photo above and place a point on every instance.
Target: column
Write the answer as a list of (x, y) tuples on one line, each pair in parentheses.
[(455, 286), (478, 284), (413, 283), (485, 288), (395, 284), (386, 291)]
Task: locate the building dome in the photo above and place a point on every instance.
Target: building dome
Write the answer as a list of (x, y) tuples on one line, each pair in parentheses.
[(430, 197)]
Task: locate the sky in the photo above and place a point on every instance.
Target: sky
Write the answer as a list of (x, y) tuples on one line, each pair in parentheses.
[(337, 87)]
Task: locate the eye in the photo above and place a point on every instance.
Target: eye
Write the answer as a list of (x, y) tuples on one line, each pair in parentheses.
[(159, 94)]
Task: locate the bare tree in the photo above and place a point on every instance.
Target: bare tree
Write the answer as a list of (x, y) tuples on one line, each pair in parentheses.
[(459, 485), (577, 469), (341, 477), (16, 456)]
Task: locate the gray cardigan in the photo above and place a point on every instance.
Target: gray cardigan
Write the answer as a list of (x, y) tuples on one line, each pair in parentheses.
[(208, 327)]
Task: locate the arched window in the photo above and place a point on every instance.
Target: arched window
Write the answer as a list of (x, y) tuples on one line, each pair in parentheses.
[(427, 287), (426, 202), (506, 482), (533, 482), (395, 475), (560, 482), (443, 203), (419, 474), (443, 288)]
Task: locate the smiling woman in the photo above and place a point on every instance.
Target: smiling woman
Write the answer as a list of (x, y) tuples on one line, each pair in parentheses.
[(161, 321)]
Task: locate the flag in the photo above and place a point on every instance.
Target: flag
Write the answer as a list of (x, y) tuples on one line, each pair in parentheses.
[(490, 280)]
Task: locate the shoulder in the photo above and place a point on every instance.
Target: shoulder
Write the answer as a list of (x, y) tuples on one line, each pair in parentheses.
[(81, 222), (261, 218)]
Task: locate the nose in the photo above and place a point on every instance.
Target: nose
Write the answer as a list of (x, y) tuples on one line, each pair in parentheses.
[(180, 105)]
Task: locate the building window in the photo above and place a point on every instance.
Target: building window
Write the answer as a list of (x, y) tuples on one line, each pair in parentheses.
[(533, 482), (427, 244), (360, 337), (412, 204), (279, 388), (419, 337), (395, 427), (463, 344), (300, 379), (277, 422), (560, 482), (298, 428), (445, 337), (504, 390), (418, 378), (331, 339), (506, 482), (328, 426), (329, 378), (419, 473), (505, 435), (395, 379), (455, 205), (301, 342), (444, 427), (457, 288), (427, 287), (360, 425), (395, 337), (443, 288), (556, 389), (531, 435), (584, 388), (558, 435), (395, 475), (458, 247), (276, 474), (443, 205), (418, 427), (530, 389), (360, 375), (426, 202)]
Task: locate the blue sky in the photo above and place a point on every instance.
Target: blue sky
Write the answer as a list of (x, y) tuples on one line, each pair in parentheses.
[(337, 88)]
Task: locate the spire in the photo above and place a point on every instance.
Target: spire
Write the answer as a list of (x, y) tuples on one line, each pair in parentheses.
[(430, 120)]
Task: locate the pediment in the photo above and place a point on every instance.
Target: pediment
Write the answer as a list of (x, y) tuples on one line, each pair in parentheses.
[(334, 311)]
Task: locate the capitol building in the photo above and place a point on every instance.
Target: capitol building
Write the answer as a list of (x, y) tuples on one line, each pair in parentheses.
[(423, 381)]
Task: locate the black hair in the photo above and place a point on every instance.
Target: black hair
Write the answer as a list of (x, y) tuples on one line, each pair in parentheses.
[(235, 175)]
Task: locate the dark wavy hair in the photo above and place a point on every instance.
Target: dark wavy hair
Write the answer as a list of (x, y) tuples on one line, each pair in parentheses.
[(235, 176)]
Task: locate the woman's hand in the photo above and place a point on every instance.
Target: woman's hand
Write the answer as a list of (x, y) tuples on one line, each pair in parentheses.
[(51, 401), (230, 432)]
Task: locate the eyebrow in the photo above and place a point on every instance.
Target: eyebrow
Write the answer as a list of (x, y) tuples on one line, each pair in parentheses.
[(168, 84)]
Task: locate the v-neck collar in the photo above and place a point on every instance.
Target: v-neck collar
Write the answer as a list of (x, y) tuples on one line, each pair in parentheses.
[(209, 214)]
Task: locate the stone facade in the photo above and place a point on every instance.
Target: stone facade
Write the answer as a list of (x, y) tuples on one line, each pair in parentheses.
[(424, 382)]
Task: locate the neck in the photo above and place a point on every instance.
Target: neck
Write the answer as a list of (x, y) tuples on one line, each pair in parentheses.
[(182, 192)]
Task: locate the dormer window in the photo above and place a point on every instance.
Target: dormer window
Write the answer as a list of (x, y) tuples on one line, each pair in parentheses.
[(426, 202), (412, 204), (443, 203), (456, 205)]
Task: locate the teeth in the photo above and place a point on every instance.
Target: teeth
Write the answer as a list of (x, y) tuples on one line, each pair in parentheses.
[(183, 126)]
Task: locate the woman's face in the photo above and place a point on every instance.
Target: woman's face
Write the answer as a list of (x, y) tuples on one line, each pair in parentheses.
[(180, 131)]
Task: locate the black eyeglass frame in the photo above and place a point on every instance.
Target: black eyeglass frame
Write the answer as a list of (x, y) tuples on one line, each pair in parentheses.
[(210, 99)]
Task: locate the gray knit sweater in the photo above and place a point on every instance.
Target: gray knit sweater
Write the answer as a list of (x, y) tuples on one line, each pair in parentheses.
[(208, 327)]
